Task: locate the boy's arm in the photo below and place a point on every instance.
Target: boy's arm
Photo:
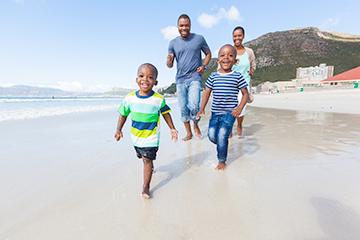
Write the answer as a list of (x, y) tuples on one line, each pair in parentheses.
[(204, 101), (173, 131), (237, 111), (121, 122)]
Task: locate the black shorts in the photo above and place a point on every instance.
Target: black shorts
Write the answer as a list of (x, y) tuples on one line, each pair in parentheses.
[(146, 152)]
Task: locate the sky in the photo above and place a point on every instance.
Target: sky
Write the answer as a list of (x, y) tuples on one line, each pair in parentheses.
[(93, 45)]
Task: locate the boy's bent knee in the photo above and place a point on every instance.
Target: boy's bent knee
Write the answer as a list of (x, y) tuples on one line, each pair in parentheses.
[(211, 135)]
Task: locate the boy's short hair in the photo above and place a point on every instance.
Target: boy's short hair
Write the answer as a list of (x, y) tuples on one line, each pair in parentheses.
[(241, 28), (229, 45), (149, 64), (185, 16)]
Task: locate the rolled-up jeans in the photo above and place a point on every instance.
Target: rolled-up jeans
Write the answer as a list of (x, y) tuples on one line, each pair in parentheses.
[(220, 127), (188, 94)]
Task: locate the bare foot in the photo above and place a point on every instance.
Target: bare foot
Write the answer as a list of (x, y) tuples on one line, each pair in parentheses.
[(197, 131), (221, 166), (187, 137), (146, 193), (239, 131)]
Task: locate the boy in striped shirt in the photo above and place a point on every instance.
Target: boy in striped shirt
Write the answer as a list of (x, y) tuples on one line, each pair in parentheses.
[(225, 85), (145, 107)]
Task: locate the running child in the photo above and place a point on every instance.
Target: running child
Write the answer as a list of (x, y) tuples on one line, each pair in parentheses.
[(225, 85), (145, 107)]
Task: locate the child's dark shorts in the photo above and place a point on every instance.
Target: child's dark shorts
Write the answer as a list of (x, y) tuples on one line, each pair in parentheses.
[(147, 152)]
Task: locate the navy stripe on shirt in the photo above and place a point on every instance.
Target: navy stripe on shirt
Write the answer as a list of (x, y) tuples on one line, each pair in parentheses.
[(144, 125), (225, 89)]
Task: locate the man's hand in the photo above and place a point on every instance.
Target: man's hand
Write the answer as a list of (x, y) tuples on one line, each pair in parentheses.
[(170, 60), (201, 69)]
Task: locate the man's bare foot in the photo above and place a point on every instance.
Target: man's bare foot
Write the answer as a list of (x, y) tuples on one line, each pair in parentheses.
[(146, 193), (187, 137), (239, 131), (197, 130), (221, 166)]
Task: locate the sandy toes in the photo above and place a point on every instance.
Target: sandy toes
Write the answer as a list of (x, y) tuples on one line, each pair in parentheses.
[(187, 138), (221, 166)]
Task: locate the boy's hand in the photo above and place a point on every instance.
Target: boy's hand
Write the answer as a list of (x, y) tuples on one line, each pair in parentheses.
[(118, 135), (201, 112), (236, 112), (251, 72), (174, 134)]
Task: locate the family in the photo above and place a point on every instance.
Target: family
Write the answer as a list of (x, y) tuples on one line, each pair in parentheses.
[(230, 87)]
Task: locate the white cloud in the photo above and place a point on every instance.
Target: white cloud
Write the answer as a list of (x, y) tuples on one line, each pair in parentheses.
[(19, 1), (207, 20), (210, 20), (233, 14), (170, 32), (330, 22)]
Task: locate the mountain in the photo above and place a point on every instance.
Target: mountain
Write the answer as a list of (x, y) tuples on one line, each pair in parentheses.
[(119, 91), (278, 54), (29, 91)]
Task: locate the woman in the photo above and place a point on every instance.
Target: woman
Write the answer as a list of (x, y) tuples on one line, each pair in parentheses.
[(246, 66)]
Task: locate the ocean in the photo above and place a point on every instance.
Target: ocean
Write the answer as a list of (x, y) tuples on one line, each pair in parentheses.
[(22, 108)]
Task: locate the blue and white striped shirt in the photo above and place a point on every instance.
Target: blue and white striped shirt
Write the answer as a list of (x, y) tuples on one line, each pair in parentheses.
[(225, 88)]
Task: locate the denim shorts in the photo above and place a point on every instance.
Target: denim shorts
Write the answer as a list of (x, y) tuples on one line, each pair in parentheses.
[(146, 152), (188, 94)]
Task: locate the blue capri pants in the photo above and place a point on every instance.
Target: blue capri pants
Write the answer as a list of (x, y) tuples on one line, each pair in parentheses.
[(220, 126)]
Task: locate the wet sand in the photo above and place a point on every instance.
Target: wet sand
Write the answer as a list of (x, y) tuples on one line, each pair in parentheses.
[(293, 175)]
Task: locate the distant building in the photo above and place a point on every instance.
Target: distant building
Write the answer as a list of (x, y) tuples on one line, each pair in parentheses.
[(265, 87), (284, 85), (305, 77), (351, 76), (317, 73)]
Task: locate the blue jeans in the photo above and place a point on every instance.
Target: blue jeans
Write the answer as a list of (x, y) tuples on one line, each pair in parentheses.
[(220, 127), (188, 94)]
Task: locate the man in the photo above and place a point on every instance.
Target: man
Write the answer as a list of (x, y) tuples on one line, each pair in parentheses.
[(186, 49)]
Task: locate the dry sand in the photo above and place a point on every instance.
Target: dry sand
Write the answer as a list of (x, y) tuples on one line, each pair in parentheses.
[(293, 175), (339, 99)]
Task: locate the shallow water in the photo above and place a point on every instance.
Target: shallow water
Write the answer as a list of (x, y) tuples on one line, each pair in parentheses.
[(293, 175)]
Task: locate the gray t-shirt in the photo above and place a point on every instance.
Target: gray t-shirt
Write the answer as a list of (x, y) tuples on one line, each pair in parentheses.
[(187, 53)]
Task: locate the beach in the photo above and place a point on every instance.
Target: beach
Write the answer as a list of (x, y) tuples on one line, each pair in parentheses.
[(292, 175), (338, 99)]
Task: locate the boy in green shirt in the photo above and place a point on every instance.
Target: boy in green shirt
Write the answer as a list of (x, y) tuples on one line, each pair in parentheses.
[(145, 106)]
